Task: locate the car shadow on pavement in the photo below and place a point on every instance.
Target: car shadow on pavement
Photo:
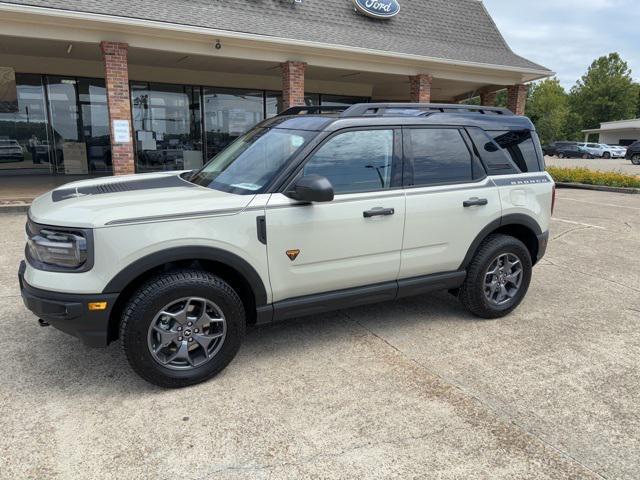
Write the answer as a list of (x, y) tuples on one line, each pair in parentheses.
[(71, 365)]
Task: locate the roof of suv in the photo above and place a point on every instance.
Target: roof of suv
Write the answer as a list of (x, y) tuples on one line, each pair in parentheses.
[(400, 114)]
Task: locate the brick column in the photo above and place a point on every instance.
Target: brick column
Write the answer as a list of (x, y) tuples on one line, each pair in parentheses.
[(292, 83), (488, 99), (116, 75), (420, 88), (517, 98)]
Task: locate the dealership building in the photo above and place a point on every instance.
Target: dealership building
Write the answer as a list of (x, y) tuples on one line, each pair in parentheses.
[(114, 87)]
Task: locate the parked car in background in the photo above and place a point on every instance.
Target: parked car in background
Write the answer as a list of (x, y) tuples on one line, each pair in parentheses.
[(552, 148), (602, 150), (572, 151), (11, 151), (633, 153)]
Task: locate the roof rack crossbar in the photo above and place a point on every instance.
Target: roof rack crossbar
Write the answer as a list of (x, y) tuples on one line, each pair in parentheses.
[(379, 109), (310, 109)]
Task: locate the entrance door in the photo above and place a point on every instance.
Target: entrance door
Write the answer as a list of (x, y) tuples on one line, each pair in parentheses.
[(355, 239)]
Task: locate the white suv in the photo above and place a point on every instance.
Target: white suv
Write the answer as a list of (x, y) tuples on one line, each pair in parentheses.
[(309, 211), (603, 151)]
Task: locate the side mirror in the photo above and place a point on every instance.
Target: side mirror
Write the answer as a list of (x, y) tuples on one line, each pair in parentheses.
[(311, 188)]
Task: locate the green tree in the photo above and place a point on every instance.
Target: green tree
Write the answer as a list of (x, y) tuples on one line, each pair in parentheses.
[(605, 93), (548, 108)]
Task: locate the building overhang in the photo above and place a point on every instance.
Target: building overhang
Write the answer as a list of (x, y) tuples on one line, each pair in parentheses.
[(66, 25)]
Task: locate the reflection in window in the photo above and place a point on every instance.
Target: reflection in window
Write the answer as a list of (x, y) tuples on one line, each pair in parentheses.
[(518, 144), (357, 161), (24, 140), (166, 120), (228, 114), (439, 156)]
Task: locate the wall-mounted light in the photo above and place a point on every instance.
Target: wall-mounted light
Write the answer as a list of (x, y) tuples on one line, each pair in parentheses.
[(69, 49), (218, 45)]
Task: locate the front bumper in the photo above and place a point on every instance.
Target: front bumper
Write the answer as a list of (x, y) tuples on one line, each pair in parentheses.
[(70, 312)]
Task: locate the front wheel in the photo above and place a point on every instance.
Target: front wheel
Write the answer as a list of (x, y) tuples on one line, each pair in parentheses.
[(182, 327), (606, 155), (497, 278), (635, 159)]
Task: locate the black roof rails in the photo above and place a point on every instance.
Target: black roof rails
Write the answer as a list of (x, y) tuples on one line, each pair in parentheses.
[(310, 109), (418, 109)]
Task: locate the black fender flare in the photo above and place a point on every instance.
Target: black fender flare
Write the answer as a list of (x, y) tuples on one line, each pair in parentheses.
[(156, 259), (510, 219)]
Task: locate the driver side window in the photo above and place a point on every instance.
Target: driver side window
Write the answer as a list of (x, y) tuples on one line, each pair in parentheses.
[(355, 161)]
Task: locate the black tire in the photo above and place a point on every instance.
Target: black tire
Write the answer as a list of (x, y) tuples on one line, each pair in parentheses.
[(152, 297), (606, 155), (561, 155), (635, 159), (472, 293)]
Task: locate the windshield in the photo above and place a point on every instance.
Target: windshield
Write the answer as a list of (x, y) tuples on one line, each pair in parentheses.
[(252, 161)]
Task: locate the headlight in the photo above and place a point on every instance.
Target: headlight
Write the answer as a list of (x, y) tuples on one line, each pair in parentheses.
[(59, 249)]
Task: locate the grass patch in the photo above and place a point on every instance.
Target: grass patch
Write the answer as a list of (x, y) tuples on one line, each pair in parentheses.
[(593, 177)]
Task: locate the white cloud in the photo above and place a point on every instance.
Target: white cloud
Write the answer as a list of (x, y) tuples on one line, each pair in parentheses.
[(566, 36)]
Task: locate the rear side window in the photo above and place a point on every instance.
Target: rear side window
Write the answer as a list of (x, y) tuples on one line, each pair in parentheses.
[(520, 146), (438, 156), (494, 158)]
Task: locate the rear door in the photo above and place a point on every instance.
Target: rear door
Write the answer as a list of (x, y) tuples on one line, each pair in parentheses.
[(449, 200)]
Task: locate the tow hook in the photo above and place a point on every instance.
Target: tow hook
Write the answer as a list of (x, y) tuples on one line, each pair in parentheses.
[(42, 323)]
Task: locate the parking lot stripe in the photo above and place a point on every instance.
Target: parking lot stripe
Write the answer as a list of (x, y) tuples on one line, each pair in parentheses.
[(572, 222), (598, 203)]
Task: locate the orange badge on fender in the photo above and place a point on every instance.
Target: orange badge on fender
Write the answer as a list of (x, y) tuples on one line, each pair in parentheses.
[(293, 254)]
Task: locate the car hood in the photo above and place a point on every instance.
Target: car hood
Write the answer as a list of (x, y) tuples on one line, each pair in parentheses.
[(118, 200)]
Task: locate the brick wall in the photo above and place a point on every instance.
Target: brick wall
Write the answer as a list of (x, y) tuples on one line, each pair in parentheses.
[(517, 98), (420, 88), (488, 99), (119, 102), (293, 83)]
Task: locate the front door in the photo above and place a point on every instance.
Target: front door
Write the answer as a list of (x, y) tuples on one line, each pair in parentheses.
[(352, 241)]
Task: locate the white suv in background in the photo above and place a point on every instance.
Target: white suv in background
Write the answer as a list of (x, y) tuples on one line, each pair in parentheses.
[(602, 150), (317, 209)]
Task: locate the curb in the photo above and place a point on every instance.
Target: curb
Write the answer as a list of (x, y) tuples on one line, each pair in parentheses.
[(14, 208), (599, 188)]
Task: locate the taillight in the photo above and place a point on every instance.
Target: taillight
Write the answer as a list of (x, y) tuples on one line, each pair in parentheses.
[(553, 199)]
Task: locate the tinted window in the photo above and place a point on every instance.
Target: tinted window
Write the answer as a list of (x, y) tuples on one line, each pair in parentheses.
[(519, 145), (439, 156), (494, 158), (356, 161)]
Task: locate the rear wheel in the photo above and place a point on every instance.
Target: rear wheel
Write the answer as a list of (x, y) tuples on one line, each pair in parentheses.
[(561, 155), (635, 159), (497, 278), (606, 155), (181, 328)]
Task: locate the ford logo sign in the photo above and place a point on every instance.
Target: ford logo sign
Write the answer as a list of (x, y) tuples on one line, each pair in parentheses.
[(378, 8)]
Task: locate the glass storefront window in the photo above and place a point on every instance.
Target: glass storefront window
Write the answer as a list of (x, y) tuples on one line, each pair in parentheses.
[(340, 100), (24, 138), (273, 104), (92, 95), (228, 114), (167, 125)]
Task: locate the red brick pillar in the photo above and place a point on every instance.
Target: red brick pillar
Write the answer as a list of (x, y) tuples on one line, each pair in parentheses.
[(488, 99), (517, 98), (420, 88), (116, 75), (292, 83)]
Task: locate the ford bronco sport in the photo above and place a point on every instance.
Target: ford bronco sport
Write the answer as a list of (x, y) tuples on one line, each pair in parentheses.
[(316, 209)]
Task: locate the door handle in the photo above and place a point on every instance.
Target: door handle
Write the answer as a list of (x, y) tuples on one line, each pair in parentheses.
[(378, 211), (475, 202)]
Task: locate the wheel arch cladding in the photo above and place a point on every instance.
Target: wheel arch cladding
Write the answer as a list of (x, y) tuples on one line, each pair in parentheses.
[(236, 271), (520, 226)]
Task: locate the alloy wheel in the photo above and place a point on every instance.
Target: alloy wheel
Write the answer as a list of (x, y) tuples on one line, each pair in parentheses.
[(187, 333), (503, 278)]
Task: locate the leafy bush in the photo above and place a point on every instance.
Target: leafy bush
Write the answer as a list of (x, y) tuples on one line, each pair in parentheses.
[(593, 177)]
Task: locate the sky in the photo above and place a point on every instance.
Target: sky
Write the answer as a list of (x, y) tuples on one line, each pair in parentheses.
[(567, 35)]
